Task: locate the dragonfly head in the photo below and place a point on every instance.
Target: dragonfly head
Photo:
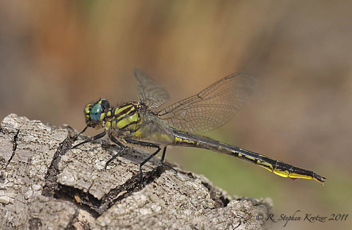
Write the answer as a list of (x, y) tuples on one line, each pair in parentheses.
[(95, 113)]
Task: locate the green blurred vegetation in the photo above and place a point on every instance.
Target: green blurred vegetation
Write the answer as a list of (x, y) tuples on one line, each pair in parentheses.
[(56, 56)]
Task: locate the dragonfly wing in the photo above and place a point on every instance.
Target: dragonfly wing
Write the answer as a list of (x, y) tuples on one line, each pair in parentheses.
[(213, 106), (149, 91), (155, 130)]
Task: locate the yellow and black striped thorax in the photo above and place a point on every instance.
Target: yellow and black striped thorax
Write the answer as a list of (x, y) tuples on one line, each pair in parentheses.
[(126, 117)]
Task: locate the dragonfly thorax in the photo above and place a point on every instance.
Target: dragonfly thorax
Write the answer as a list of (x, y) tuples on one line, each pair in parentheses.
[(125, 118)]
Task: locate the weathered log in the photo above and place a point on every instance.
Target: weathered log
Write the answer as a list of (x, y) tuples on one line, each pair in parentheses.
[(44, 184)]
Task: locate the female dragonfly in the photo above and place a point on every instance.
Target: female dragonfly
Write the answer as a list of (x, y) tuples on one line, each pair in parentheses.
[(180, 124)]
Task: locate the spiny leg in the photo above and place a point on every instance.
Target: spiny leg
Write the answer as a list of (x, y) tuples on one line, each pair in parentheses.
[(122, 148), (85, 128), (146, 144), (96, 137), (165, 164)]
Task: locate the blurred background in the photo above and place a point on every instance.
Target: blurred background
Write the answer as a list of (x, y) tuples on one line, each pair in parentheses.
[(57, 56)]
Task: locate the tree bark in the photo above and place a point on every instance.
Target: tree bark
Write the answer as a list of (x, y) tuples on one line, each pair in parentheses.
[(44, 184)]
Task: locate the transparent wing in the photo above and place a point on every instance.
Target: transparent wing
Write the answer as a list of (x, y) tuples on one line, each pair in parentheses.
[(212, 107), (155, 130), (150, 92)]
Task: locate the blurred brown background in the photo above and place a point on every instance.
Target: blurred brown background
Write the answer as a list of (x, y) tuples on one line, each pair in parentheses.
[(56, 56)]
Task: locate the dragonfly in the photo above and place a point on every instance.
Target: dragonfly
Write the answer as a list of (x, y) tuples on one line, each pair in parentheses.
[(139, 124)]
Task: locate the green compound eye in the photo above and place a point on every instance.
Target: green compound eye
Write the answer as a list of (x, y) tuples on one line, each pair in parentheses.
[(95, 113)]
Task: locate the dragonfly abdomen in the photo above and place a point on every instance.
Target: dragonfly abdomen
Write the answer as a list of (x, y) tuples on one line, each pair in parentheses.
[(279, 168)]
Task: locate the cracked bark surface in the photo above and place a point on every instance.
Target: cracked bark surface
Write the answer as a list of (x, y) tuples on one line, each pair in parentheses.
[(46, 185)]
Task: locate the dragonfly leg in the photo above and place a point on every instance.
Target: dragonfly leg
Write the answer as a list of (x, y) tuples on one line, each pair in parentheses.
[(146, 144), (81, 132), (122, 148), (96, 137), (165, 164)]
